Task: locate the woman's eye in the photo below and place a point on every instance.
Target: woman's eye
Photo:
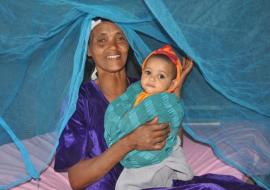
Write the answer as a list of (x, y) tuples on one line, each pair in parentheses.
[(102, 40), (121, 39)]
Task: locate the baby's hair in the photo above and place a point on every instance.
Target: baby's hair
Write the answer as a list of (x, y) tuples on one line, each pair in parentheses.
[(166, 59)]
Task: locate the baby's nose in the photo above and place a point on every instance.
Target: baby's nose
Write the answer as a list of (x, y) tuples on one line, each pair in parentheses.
[(152, 78)]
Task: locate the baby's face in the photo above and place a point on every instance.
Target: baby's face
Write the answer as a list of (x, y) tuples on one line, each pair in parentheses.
[(157, 75)]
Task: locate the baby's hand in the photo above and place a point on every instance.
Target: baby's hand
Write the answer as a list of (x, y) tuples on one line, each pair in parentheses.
[(186, 68)]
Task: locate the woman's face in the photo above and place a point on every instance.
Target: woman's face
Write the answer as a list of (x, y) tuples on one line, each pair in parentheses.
[(108, 47)]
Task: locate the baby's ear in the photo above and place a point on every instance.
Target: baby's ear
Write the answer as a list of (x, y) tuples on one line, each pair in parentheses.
[(173, 84), (175, 87)]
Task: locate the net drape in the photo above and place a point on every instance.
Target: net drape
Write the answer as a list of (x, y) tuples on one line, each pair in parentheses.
[(227, 98)]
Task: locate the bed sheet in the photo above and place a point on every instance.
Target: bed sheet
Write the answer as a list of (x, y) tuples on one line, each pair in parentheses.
[(200, 157)]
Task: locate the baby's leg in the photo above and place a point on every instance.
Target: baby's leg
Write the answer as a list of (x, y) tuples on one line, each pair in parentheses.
[(177, 163), (158, 175)]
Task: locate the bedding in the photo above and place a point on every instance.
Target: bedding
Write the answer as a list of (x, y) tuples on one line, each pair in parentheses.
[(200, 157)]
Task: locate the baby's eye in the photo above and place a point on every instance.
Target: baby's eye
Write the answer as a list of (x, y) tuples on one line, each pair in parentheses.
[(147, 72), (161, 76)]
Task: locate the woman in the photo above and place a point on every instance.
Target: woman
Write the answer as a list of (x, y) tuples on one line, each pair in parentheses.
[(82, 149), (109, 49)]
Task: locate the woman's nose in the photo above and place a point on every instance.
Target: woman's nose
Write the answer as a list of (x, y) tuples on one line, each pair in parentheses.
[(113, 44)]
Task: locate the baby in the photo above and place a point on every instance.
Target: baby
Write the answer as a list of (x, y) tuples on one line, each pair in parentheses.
[(152, 96), (160, 73)]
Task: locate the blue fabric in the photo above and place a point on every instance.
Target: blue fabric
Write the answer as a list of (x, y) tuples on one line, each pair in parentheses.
[(122, 117), (227, 99)]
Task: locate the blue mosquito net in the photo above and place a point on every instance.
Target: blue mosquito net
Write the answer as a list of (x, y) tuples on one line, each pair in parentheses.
[(43, 47)]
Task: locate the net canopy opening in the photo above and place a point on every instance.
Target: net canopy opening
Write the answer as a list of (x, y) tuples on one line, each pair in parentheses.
[(226, 97)]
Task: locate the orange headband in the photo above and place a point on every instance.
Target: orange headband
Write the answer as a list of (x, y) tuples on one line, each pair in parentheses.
[(168, 51)]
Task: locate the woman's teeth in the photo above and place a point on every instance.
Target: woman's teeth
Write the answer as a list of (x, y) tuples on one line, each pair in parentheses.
[(113, 56)]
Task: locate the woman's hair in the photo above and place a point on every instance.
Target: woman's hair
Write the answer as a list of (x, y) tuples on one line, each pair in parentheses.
[(133, 68), (89, 68)]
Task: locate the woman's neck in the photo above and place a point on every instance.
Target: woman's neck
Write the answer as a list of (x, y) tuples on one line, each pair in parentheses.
[(112, 85)]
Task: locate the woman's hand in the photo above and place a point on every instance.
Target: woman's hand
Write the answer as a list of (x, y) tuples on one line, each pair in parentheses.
[(187, 66), (150, 136)]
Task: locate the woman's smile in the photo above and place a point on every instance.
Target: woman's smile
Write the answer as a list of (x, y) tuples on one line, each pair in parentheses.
[(113, 57)]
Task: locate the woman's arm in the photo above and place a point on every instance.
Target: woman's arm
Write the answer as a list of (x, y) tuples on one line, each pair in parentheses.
[(151, 136)]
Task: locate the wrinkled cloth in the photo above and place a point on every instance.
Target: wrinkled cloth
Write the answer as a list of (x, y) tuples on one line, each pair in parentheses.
[(141, 96), (226, 95), (158, 175), (83, 138), (211, 182), (121, 118)]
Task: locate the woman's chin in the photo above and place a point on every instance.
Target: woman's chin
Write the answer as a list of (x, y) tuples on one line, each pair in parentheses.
[(116, 69)]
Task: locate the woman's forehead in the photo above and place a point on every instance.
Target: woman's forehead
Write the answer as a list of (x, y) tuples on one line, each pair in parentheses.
[(106, 27)]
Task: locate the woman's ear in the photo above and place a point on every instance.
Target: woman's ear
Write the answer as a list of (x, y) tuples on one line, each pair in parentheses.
[(89, 54)]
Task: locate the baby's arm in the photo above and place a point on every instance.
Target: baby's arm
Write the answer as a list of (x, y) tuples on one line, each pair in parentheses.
[(186, 68)]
